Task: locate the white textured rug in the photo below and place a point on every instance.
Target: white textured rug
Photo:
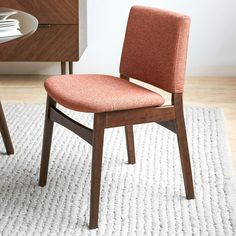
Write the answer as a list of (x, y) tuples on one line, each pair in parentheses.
[(147, 198)]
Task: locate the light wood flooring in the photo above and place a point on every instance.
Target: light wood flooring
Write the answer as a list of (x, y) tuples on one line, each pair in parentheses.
[(199, 91)]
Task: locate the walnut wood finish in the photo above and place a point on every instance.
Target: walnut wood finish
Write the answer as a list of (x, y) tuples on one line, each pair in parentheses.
[(98, 136), (139, 116), (63, 68), (61, 35), (70, 67), (57, 116), (47, 12), (5, 132), (170, 117), (129, 134), (47, 140), (177, 101), (48, 43), (170, 125)]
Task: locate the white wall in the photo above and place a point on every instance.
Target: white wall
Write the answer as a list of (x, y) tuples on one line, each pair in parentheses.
[(212, 48)]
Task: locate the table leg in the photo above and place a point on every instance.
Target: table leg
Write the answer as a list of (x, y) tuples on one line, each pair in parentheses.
[(63, 67), (70, 67), (5, 132)]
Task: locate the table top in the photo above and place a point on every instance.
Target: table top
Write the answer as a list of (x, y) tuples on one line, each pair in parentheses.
[(16, 24)]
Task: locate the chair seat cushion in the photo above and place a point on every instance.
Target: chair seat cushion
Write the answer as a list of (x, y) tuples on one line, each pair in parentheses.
[(99, 93)]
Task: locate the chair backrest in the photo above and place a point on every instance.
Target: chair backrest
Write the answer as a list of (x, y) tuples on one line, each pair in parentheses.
[(155, 48)]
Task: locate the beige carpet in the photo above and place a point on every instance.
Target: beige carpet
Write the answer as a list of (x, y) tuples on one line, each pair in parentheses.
[(144, 199)]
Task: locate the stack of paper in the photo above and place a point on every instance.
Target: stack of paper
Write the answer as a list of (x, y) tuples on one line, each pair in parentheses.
[(9, 27)]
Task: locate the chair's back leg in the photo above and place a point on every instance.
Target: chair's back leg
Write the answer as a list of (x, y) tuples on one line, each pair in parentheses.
[(5, 132), (47, 140), (183, 145), (98, 136), (129, 134), (130, 143)]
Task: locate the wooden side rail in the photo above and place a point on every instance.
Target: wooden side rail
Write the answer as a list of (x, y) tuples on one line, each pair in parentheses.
[(59, 117), (139, 116)]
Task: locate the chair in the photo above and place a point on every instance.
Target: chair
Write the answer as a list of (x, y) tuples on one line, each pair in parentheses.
[(154, 51), (5, 132)]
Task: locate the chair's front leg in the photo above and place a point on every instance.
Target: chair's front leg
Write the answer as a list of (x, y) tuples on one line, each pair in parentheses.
[(98, 136), (183, 146), (130, 143), (5, 132), (47, 140)]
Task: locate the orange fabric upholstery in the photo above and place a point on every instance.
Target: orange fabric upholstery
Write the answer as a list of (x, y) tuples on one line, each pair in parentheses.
[(99, 93), (154, 51), (155, 48)]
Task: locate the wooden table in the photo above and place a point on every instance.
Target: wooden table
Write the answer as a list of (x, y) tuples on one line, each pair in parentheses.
[(14, 25), (61, 35)]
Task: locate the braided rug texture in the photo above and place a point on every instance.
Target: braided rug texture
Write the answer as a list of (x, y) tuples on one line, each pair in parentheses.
[(147, 198)]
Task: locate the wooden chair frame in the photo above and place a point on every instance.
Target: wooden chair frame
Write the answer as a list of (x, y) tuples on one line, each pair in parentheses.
[(170, 117), (5, 132)]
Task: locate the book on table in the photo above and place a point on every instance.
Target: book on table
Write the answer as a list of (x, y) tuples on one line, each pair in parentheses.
[(9, 27)]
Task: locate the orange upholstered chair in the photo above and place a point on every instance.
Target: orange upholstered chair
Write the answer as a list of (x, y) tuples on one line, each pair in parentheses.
[(154, 51)]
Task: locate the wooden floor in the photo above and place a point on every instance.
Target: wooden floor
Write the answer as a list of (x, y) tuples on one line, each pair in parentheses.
[(204, 92)]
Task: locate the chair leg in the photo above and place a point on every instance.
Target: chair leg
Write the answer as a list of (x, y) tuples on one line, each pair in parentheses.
[(47, 140), (183, 146), (5, 132), (129, 136), (130, 143), (98, 136)]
